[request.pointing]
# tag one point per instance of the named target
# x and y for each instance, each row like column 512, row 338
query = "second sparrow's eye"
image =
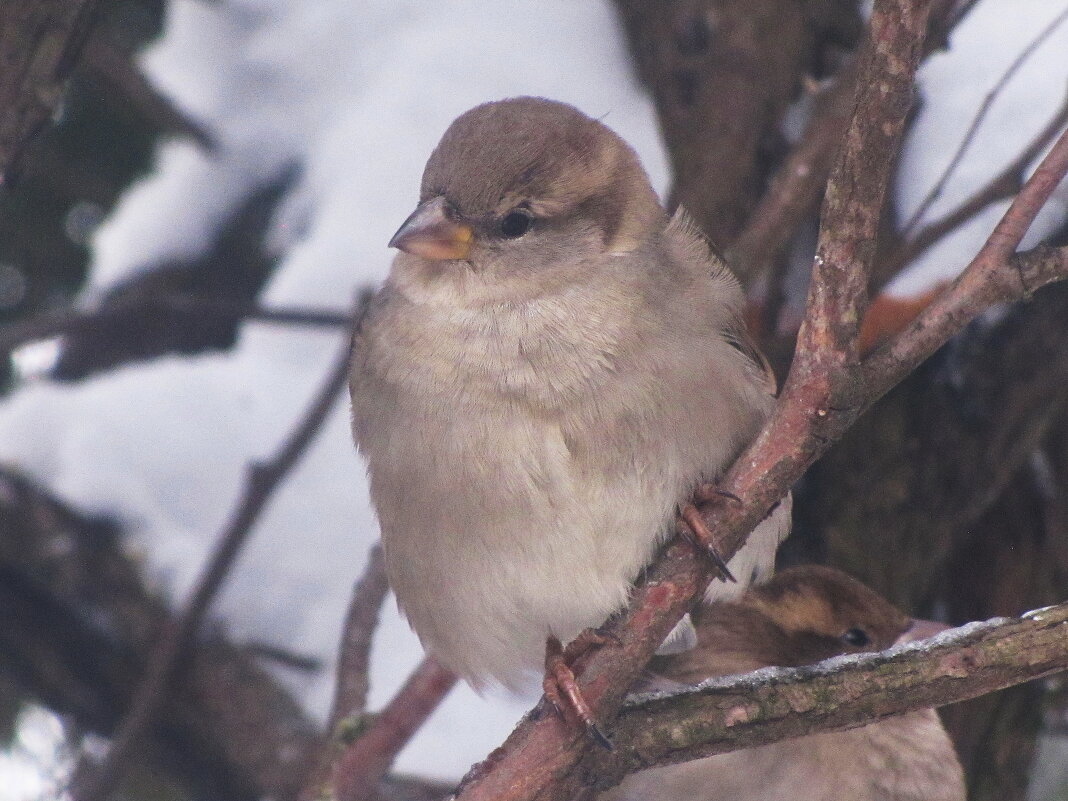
column 856, row 637
column 515, row 223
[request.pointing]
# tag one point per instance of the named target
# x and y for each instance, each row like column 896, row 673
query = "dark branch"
column 78, row 629
column 94, row 783
column 39, row 43
column 71, row 322
column 107, row 61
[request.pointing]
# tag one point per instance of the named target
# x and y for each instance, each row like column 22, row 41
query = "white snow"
column 356, row 95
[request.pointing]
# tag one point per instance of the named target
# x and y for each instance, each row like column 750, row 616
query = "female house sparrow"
column 550, row 369
column 801, row 616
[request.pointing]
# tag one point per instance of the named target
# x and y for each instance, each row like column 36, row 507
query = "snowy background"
column 357, row 94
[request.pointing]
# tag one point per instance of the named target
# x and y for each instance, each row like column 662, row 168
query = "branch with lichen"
column 774, row 704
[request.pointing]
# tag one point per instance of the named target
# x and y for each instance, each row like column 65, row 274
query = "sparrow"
column 551, row 368
column 801, row 616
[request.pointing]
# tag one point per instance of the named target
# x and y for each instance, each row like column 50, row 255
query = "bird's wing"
column 735, row 330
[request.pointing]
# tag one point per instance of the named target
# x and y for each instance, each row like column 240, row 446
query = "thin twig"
column 95, row 783
column 991, row 277
column 939, row 185
column 350, row 692
column 365, row 762
column 1003, row 185
column 69, row 322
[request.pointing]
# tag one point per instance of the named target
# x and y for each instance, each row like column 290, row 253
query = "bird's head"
column 524, row 187
column 803, row 615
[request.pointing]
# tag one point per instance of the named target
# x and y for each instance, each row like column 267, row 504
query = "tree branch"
column 350, row 695
column 363, row 763
column 969, row 136
column 39, row 43
column 71, row 322
column 845, row 692
column 824, row 394
column 94, row 783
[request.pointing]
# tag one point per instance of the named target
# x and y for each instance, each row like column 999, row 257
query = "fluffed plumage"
column 551, row 367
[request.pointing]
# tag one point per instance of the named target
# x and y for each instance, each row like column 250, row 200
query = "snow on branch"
column 774, row 704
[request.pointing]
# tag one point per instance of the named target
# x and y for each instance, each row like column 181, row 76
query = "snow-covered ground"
column 357, row 94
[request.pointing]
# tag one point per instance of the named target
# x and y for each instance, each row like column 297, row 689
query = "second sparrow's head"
column 801, row 616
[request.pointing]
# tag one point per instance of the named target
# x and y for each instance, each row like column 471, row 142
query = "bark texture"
column 723, row 72
column 39, row 44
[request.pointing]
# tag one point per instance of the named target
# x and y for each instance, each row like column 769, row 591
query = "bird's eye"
column 515, row 223
column 856, row 637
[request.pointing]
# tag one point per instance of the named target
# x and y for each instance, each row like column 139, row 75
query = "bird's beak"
column 921, row 630
column 433, row 233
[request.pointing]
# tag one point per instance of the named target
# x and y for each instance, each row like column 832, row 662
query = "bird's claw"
column 562, row 689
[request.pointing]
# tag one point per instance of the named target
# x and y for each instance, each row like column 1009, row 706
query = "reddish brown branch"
column 852, row 206
column 93, row 783
column 350, row 693
column 363, row 764
column 823, row 396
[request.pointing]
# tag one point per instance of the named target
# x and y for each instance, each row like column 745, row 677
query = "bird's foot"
column 692, row 526
column 710, row 492
column 562, row 689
